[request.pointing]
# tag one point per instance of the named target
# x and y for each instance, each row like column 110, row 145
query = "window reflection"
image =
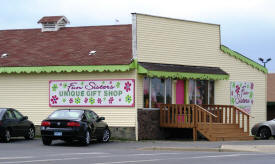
column 146, row 89
column 155, row 88
column 157, row 92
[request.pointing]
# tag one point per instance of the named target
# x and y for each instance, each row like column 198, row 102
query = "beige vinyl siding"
column 164, row 40
column 140, row 91
column 172, row 41
column 29, row 93
column 240, row 71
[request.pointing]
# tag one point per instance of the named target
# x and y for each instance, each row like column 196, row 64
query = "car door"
column 9, row 122
column 22, row 124
column 91, row 122
column 99, row 125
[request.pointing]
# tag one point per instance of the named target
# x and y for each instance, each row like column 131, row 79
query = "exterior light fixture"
column 5, row 55
column 93, row 52
column 263, row 61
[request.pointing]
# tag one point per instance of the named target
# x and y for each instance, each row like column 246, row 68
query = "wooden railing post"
column 160, row 114
column 230, row 115
column 247, row 122
column 242, row 120
column 234, row 116
column 225, row 115
column 239, row 118
column 168, row 115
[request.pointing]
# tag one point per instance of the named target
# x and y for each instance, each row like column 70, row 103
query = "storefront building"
column 127, row 72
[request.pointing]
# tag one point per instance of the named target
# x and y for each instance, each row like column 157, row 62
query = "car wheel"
column 86, row 138
column 46, row 141
column 30, row 134
column 264, row 133
column 7, row 136
column 106, row 136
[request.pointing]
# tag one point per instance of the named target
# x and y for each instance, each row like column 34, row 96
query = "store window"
column 201, row 92
column 156, row 92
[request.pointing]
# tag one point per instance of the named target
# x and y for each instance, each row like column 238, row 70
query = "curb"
column 181, row 149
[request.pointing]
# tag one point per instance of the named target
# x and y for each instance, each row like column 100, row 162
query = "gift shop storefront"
column 146, row 77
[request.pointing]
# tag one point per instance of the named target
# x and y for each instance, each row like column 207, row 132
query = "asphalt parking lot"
column 119, row 152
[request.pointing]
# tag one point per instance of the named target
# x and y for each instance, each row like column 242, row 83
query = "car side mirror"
column 84, row 119
column 24, row 118
column 100, row 119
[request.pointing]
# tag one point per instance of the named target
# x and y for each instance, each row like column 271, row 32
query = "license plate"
column 57, row 134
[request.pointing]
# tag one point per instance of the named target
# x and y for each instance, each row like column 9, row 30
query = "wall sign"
column 97, row 93
column 242, row 95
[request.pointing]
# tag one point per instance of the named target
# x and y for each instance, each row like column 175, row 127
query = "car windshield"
column 66, row 114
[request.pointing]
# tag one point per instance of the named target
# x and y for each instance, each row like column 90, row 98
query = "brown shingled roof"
column 50, row 19
column 68, row 46
column 271, row 87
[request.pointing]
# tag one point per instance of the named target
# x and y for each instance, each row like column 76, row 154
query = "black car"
column 14, row 124
column 74, row 124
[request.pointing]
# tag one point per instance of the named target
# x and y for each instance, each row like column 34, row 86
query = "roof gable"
column 243, row 59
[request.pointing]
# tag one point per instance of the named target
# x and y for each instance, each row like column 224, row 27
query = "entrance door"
column 180, row 92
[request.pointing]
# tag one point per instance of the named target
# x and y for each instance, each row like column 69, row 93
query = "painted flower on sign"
column 54, row 87
column 118, row 84
column 99, row 100
column 127, row 86
column 71, row 100
column 237, row 89
column 252, row 86
column 128, row 99
column 92, row 100
column 77, row 100
column 111, row 100
column 64, row 100
column 86, row 100
column 54, row 99
column 65, row 85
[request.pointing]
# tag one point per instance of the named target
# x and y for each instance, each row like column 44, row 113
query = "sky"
column 247, row 26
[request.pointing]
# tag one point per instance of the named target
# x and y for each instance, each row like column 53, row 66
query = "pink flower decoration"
column 119, row 99
column 127, row 86
column 237, row 89
column 60, row 84
column 99, row 100
column 111, row 82
column 71, row 100
column 54, row 99
column 111, row 100
column 86, row 100
column 252, row 85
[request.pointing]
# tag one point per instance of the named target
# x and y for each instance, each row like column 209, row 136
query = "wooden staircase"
column 215, row 122
column 225, row 132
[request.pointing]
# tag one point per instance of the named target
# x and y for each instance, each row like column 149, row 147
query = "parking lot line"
column 2, row 158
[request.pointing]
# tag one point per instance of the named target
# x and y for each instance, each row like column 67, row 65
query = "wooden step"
column 229, row 135
column 241, row 138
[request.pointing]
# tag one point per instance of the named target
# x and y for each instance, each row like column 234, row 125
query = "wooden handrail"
column 201, row 108
column 242, row 111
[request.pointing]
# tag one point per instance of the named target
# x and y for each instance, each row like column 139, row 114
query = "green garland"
column 49, row 69
column 243, row 58
column 181, row 75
